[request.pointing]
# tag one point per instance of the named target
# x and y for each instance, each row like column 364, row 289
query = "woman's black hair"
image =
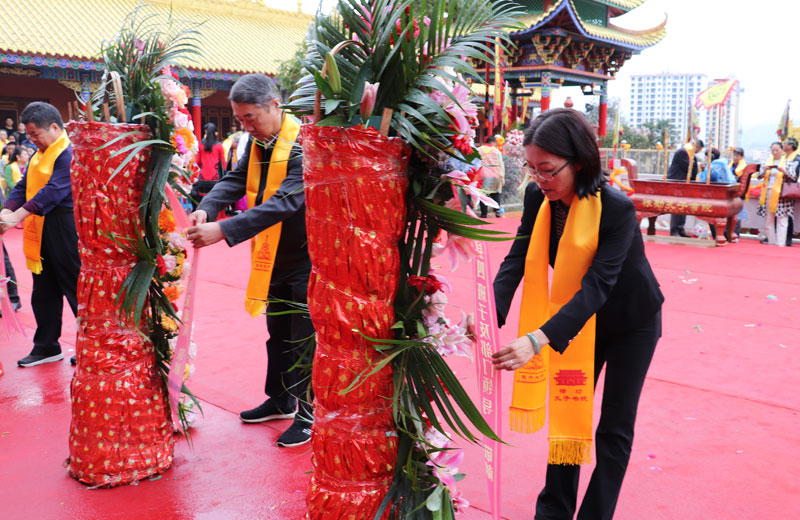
column 566, row 133
column 15, row 154
column 210, row 138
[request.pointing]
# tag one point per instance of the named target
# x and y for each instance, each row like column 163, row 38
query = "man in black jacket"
column 255, row 102
column 678, row 171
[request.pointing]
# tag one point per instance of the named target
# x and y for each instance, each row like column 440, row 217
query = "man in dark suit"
column 678, row 170
column 255, row 103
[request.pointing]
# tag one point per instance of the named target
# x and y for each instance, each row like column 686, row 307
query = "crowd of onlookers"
column 17, row 149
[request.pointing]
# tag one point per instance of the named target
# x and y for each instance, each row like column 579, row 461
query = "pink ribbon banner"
column 177, row 368
column 487, row 341
column 12, row 323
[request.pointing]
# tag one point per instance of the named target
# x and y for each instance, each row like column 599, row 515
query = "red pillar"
column 603, row 115
column 196, row 120
column 545, row 104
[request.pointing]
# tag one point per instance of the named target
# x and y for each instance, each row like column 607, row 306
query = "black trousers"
column 13, row 291
column 627, row 357
column 58, row 280
column 485, row 209
column 288, row 344
column 676, row 223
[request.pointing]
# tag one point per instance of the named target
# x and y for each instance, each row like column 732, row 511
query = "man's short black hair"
column 739, row 150
column 714, row 153
column 566, row 133
column 491, row 140
column 700, row 143
column 791, row 141
column 42, row 115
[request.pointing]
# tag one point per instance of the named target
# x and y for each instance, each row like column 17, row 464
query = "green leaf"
column 336, row 120
column 322, row 85
column 331, row 105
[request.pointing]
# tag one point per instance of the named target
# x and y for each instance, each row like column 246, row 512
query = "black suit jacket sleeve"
column 285, row 203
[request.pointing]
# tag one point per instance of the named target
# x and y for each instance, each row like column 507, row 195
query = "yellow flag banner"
column 715, row 94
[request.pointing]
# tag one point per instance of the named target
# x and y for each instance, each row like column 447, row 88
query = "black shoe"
column 763, row 240
column 678, row 234
column 31, row 360
column 14, row 305
column 298, row 433
column 266, row 411
column 73, row 361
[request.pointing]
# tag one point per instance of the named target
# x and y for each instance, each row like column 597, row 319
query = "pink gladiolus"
column 426, row 21
column 181, row 144
column 368, row 99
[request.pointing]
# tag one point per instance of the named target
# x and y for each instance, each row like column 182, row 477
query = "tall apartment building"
column 655, row 97
column 730, row 120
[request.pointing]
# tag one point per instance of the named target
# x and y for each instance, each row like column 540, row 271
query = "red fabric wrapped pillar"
column 355, row 182
column 121, row 430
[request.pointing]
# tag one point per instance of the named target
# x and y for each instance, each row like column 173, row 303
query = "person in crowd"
column 792, row 175
column 3, row 138
column 779, row 168
column 8, row 126
column 211, row 160
column 43, row 200
column 603, row 308
column 270, row 173
column 720, row 172
column 17, row 164
column 738, row 164
column 8, row 149
column 493, row 174
column 683, row 162
column 21, row 134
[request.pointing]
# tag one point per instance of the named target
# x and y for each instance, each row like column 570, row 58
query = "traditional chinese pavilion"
column 573, row 43
column 48, row 49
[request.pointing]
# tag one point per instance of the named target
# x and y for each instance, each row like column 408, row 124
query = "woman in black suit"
column 619, row 288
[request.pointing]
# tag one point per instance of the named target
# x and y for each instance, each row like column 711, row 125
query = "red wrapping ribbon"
column 177, row 368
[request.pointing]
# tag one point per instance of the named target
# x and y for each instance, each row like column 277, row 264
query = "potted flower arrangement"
column 390, row 142
column 132, row 256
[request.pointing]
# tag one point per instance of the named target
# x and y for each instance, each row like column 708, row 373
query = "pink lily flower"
column 460, row 504
column 368, row 99
column 458, row 175
column 457, row 247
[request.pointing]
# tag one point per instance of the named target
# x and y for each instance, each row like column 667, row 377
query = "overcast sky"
column 757, row 42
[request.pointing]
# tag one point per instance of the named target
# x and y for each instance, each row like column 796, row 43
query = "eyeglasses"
column 545, row 176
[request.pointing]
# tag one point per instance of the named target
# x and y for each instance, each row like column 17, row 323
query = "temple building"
column 49, row 49
column 573, row 43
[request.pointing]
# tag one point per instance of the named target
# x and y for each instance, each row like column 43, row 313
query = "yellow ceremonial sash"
column 16, row 173
column 777, row 186
column 264, row 246
column 740, row 166
column 570, row 375
column 40, row 169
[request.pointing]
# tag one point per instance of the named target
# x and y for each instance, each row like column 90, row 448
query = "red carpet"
column 717, row 435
